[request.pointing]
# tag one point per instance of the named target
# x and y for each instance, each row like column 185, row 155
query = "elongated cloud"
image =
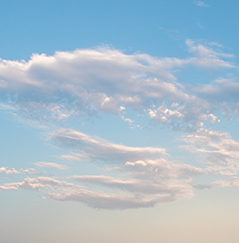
column 36, row 184
column 7, row 171
column 51, row 165
column 65, row 191
column 201, row 4
column 218, row 149
column 144, row 173
column 83, row 82
column 102, row 201
column 97, row 148
column 145, row 177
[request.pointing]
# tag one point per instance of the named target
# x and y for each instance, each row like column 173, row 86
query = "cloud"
column 221, row 90
column 30, row 171
column 103, row 201
column 96, row 148
column 87, row 81
column 140, row 176
column 202, row 187
column 36, row 184
column 201, row 4
column 51, row 165
column 145, row 184
column 143, row 173
column 222, row 94
column 28, row 183
column 217, row 149
column 143, row 188
column 65, row 191
column 206, row 57
column 6, row 171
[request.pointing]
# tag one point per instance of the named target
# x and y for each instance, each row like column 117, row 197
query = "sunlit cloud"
column 51, row 165
column 201, row 4
column 85, row 82
column 50, row 90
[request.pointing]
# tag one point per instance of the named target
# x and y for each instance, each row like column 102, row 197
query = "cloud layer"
column 83, row 83
column 143, row 177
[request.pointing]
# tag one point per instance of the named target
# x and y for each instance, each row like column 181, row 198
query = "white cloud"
column 7, row 171
column 84, row 82
column 144, row 173
column 217, row 149
column 201, row 4
column 28, row 183
column 220, row 90
column 144, row 178
column 225, row 183
column 128, row 120
column 97, row 148
column 51, row 165
column 221, row 94
column 206, row 57
column 193, row 114
column 30, row 171
column 145, row 184
column 37, row 184
column 134, row 198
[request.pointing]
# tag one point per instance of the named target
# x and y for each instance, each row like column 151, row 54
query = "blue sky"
column 119, row 121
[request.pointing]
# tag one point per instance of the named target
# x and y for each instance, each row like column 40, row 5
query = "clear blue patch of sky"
column 158, row 28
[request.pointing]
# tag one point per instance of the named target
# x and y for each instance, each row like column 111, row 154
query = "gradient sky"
column 119, row 121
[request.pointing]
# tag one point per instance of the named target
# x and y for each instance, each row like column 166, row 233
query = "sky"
column 119, row 121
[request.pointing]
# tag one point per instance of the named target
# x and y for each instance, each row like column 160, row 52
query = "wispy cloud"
column 201, row 4
column 85, row 82
column 51, row 165
column 37, row 184
column 217, row 149
column 145, row 176
column 7, row 171
column 97, row 148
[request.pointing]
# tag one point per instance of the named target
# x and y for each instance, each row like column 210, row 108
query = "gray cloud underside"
column 65, row 191
column 201, row 4
column 7, row 171
column 37, row 184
